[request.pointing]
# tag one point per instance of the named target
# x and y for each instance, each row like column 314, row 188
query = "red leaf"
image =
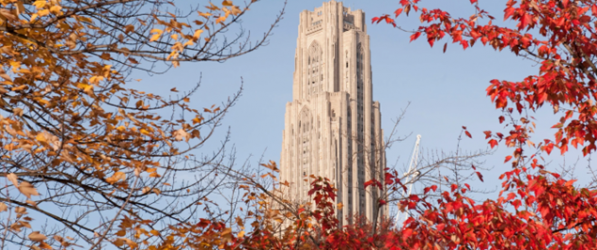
column 398, row 12
column 375, row 19
column 508, row 12
column 508, row 158
column 493, row 143
column 434, row 187
column 388, row 179
column 464, row 44
column 548, row 148
column 415, row 36
column 468, row 134
column 487, row 134
column 445, row 47
column 480, row 176
column 526, row 20
column 502, row 119
column 407, row 233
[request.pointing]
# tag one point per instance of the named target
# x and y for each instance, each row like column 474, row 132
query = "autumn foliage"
column 91, row 162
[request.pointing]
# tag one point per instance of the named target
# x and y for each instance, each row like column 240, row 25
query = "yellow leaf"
column 84, row 86
column 197, row 33
column 39, row 4
column 241, row 234
column 157, row 33
column 116, row 177
column 155, row 232
column 221, row 19
column 55, row 9
column 33, row 17
column 154, row 37
column 43, row 12
column 145, row 132
column 204, row 14
column 19, row 88
column 41, row 137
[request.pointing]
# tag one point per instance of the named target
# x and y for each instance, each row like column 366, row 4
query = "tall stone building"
column 332, row 126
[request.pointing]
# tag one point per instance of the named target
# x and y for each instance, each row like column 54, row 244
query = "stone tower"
column 332, row 126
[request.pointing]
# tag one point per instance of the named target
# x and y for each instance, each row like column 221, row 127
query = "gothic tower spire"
column 332, row 126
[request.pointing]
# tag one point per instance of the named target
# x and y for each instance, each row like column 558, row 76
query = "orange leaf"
column 508, row 158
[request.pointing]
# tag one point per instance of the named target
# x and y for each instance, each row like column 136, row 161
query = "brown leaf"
column 7, row 14
column 32, row 203
column 20, row 210
column 13, row 178
column 27, row 189
column 180, row 134
column 18, row 111
column 3, row 207
column 36, row 236
column 59, row 238
column 44, row 245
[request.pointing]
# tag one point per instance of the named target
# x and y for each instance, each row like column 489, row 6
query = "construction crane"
column 410, row 175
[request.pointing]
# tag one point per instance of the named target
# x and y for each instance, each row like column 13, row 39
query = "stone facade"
column 332, row 126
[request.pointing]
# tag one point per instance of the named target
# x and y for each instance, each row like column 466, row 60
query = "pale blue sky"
column 446, row 91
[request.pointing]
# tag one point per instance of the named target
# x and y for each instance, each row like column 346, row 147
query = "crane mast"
column 410, row 175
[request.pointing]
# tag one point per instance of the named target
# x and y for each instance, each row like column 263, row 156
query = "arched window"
column 360, row 55
column 314, row 68
column 306, row 121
